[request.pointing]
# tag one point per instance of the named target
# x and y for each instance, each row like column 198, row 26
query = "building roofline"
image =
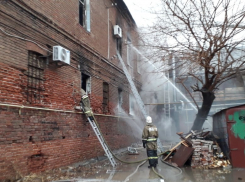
column 122, row 5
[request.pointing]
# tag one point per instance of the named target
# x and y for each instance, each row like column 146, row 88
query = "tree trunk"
column 208, row 98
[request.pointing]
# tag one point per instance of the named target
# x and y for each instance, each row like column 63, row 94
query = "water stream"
column 136, row 95
column 162, row 75
column 133, row 88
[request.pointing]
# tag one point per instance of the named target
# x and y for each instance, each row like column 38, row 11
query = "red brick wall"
column 37, row 140
column 65, row 14
column 15, row 52
column 34, row 140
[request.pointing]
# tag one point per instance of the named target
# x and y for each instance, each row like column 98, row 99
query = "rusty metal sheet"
column 235, row 118
column 182, row 155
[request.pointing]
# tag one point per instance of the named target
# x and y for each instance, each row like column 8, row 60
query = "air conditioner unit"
column 117, row 31
column 61, row 54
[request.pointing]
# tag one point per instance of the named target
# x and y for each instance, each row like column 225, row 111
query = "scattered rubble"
column 203, row 153
column 200, row 149
column 82, row 170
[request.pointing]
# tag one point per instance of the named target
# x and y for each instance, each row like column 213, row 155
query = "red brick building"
column 40, row 128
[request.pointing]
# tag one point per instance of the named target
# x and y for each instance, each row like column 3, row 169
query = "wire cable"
column 143, row 160
column 25, row 40
column 15, row 36
column 127, row 162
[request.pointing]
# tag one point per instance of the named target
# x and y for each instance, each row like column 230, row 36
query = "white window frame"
column 86, row 19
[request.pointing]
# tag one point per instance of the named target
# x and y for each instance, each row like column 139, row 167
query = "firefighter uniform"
column 149, row 139
column 85, row 103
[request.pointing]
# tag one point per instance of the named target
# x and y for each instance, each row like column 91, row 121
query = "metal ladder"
column 102, row 142
column 166, row 98
column 133, row 87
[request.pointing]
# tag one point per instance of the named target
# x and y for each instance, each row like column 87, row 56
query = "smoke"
column 163, row 101
column 158, row 93
column 133, row 122
column 155, row 94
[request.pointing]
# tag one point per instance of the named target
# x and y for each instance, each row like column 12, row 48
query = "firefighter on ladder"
column 85, row 103
column 149, row 139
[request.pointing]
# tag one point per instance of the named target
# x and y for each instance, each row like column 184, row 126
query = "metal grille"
column 55, row 55
column 35, row 78
column 105, row 96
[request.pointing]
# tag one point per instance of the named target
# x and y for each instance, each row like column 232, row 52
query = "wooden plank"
column 176, row 146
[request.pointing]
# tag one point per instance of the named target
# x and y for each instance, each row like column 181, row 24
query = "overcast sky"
column 140, row 10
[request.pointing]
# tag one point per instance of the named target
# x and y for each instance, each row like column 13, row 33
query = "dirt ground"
column 101, row 170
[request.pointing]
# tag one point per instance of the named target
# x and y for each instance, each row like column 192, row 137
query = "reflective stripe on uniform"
column 152, row 129
column 151, row 140
column 85, row 96
column 88, row 112
column 152, row 157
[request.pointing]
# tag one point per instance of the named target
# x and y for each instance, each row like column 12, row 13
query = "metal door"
column 236, row 131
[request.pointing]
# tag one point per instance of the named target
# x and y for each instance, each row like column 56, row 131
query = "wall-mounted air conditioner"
column 117, row 31
column 61, row 54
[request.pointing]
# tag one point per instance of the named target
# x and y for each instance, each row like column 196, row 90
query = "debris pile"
column 203, row 153
column 201, row 149
column 219, row 160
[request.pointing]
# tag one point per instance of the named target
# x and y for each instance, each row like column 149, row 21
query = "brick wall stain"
column 36, row 140
column 39, row 140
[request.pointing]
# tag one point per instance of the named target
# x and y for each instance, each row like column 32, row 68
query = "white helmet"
column 148, row 120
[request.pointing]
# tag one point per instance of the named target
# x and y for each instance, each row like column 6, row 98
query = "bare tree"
column 208, row 38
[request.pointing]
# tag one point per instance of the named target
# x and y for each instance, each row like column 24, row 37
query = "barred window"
column 105, row 96
column 35, row 78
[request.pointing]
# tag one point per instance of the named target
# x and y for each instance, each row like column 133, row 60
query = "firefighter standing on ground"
column 149, row 139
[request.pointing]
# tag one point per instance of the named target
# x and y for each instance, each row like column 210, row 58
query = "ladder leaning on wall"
column 85, row 105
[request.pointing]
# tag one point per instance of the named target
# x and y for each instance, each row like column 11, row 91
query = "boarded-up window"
column 35, row 78
column 105, row 96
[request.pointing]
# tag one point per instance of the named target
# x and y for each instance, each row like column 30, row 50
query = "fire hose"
column 143, row 160
column 85, row 103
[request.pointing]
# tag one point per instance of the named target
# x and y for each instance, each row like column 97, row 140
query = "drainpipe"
column 108, row 20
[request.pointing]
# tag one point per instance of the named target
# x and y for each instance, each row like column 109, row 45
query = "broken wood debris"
column 202, row 152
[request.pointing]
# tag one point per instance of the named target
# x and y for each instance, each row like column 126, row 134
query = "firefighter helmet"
column 148, row 119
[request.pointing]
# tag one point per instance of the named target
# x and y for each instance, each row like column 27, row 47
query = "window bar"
column 28, row 79
column 32, row 83
column 31, row 73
